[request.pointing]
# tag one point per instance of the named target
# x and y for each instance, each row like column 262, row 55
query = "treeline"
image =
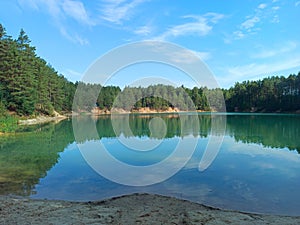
column 28, row 85
column 270, row 94
column 157, row 97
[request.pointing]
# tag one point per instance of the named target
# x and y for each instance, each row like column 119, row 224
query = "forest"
column 30, row 86
column 272, row 94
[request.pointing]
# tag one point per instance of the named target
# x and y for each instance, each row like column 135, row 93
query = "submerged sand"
column 130, row 209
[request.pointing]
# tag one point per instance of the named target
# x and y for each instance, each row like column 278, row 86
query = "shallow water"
column 256, row 169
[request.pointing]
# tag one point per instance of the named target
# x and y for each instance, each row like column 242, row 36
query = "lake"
column 256, row 167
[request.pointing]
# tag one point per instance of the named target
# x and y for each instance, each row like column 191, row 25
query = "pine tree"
column 22, row 85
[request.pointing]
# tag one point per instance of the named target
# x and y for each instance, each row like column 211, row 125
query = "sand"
column 130, row 209
column 41, row 120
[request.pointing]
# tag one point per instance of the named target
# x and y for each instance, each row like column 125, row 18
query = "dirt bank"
column 130, row 209
column 97, row 111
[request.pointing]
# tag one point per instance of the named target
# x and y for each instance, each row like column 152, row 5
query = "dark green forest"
column 30, row 86
column 157, row 97
column 272, row 94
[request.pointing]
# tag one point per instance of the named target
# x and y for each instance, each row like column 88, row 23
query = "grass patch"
column 8, row 124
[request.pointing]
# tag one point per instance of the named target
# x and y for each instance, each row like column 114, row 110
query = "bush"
column 2, row 109
column 8, row 124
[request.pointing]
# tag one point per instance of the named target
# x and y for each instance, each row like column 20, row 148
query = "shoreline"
column 57, row 118
column 147, row 110
column 128, row 209
column 41, row 120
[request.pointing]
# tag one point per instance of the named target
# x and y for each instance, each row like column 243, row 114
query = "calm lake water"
column 257, row 168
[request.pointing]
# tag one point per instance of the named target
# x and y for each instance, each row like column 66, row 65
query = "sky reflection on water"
column 257, row 168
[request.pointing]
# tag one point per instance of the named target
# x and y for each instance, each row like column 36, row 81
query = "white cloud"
column 262, row 14
column 76, row 10
column 118, row 10
column 256, row 70
column 143, row 30
column 60, row 12
column 214, row 17
column 262, row 6
column 75, row 38
column 238, row 34
column 80, row 40
column 187, row 56
column 248, row 26
column 200, row 26
column 250, row 23
column 275, row 19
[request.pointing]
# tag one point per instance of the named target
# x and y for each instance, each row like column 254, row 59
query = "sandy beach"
column 130, row 209
column 41, row 120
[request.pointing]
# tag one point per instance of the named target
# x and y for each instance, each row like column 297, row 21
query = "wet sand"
column 129, row 209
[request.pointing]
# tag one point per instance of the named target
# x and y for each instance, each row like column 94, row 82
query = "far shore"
column 144, row 110
column 173, row 112
column 129, row 209
column 96, row 111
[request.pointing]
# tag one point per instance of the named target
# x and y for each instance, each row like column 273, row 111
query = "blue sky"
column 237, row 39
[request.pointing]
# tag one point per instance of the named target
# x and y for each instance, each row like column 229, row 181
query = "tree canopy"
column 270, row 95
column 28, row 84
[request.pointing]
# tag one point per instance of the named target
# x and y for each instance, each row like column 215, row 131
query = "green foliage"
column 107, row 97
column 158, row 97
column 2, row 109
column 273, row 94
column 86, row 96
column 26, row 157
column 28, row 85
column 8, row 124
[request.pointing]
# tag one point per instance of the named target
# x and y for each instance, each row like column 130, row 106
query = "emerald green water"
column 257, row 168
